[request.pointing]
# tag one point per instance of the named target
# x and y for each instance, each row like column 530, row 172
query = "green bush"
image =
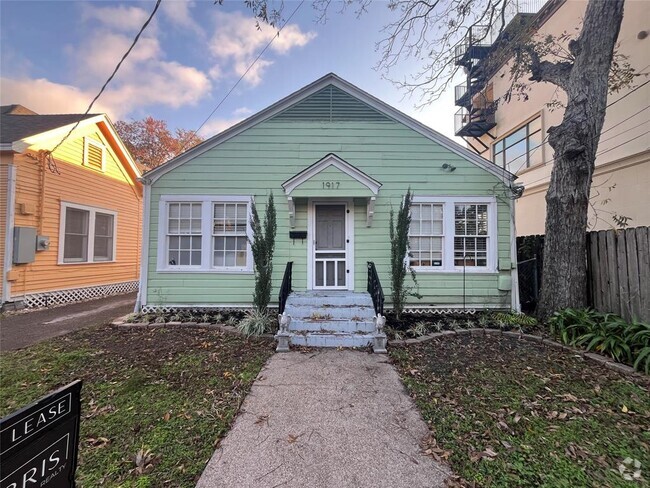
column 262, row 247
column 399, row 244
column 255, row 323
column 605, row 333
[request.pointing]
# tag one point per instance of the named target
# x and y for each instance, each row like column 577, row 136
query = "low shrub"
column 255, row 323
column 605, row 333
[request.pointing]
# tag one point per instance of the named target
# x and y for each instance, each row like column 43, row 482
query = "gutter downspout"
column 144, row 251
column 9, row 234
column 514, row 272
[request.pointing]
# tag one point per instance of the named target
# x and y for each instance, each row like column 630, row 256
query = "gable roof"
column 18, row 122
column 331, row 160
column 309, row 90
column 21, row 128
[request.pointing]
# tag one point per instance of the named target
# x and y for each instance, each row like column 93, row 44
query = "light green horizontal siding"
column 263, row 157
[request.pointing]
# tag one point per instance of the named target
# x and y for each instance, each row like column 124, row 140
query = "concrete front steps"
column 330, row 319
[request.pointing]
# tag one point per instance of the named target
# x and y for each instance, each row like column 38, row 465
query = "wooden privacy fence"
column 618, row 271
column 618, row 266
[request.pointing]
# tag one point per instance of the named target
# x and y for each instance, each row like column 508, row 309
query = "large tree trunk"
column 575, row 142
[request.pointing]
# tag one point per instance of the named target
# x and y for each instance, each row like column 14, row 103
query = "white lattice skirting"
column 59, row 297
column 198, row 309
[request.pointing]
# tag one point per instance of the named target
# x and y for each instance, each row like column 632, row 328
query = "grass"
column 171, row 392
column 507, row 413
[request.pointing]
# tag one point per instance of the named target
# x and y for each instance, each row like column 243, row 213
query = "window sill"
column 531, row 168
column 468, row 270
column 201, row 270
column 85, row 262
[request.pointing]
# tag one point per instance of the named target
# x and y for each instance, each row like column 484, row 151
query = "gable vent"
column 94, row 154
column 330, row 105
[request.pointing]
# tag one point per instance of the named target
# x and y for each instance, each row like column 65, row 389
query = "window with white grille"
column 452, row 234
column 184, row 234
column 230, row 241
column 204, row 234
column 426, row 235
column 471, row 235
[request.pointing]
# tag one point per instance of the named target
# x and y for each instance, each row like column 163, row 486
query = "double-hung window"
column 426, row 235
column 450, row 234
column 205, row 233
column 87, row 234
column 230, row 237
column 184, row 234
column 471, row 235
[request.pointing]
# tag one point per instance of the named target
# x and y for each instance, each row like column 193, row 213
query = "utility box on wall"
column 24, row 245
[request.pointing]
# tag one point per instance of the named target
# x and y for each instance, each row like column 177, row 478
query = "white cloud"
column 121, row 17
column 214, row 127
column 178, row 13
column 237, row 42
column 242, row 111
column 44, row 97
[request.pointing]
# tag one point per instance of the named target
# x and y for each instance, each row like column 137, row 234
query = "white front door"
column 330, row 247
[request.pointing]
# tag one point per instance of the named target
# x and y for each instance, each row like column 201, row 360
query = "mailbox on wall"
column 24, row 245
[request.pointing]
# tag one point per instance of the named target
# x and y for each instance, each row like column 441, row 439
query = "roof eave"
column 331, row 78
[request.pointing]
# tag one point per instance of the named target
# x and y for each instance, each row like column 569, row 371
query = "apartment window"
column 88, row 234
column 205, row 234
column 521, row 149
column 452, row 234
column 426, row 235
column 230, row 241
column 184, row 234
column 93, row 154
column 471, row 235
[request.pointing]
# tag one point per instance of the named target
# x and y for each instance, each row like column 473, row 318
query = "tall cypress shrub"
column 262, row 246
column 399, row 241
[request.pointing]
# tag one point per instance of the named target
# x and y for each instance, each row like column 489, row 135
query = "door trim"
column 349, row 233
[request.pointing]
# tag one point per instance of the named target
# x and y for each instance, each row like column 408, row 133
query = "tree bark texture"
column 575, row 142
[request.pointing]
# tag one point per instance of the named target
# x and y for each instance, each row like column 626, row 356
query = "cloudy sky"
column 55, row 55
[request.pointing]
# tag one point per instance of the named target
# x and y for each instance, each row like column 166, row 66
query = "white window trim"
column 91, row 233
column 90, row 141
column 448, row 227
column 207, row 254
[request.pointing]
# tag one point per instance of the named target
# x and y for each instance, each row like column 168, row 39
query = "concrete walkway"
column 325, row 419
column 25, row 328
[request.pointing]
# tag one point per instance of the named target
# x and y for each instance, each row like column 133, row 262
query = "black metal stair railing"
column 285, row 288
column 374, row 288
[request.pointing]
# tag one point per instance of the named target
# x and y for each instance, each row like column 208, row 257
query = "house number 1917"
column 331, row 185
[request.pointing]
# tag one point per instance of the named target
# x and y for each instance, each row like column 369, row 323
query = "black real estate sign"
column 38, row 443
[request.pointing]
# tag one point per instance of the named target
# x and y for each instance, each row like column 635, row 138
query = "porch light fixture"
column 448, row 167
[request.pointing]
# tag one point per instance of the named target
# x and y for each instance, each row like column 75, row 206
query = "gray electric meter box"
column 24, row 245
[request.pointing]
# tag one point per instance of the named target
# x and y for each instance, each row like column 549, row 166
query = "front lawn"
column 506, row 412
column 167, row 394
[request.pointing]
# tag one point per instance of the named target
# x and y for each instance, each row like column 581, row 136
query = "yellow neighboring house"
column 70, row 222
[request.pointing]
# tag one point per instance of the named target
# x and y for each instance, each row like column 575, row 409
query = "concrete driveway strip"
column 27, row 328
column 325, row 419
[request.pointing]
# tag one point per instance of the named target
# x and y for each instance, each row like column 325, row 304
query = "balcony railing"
column 474, row 123
column 480, row 38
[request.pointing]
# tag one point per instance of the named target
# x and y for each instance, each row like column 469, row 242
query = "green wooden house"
column 337, row 161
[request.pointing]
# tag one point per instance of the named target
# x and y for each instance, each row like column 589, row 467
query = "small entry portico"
column 330, row 188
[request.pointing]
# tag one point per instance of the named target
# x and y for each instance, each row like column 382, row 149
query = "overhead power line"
column 110, row 78
column 545, row 141
column 242, row 76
